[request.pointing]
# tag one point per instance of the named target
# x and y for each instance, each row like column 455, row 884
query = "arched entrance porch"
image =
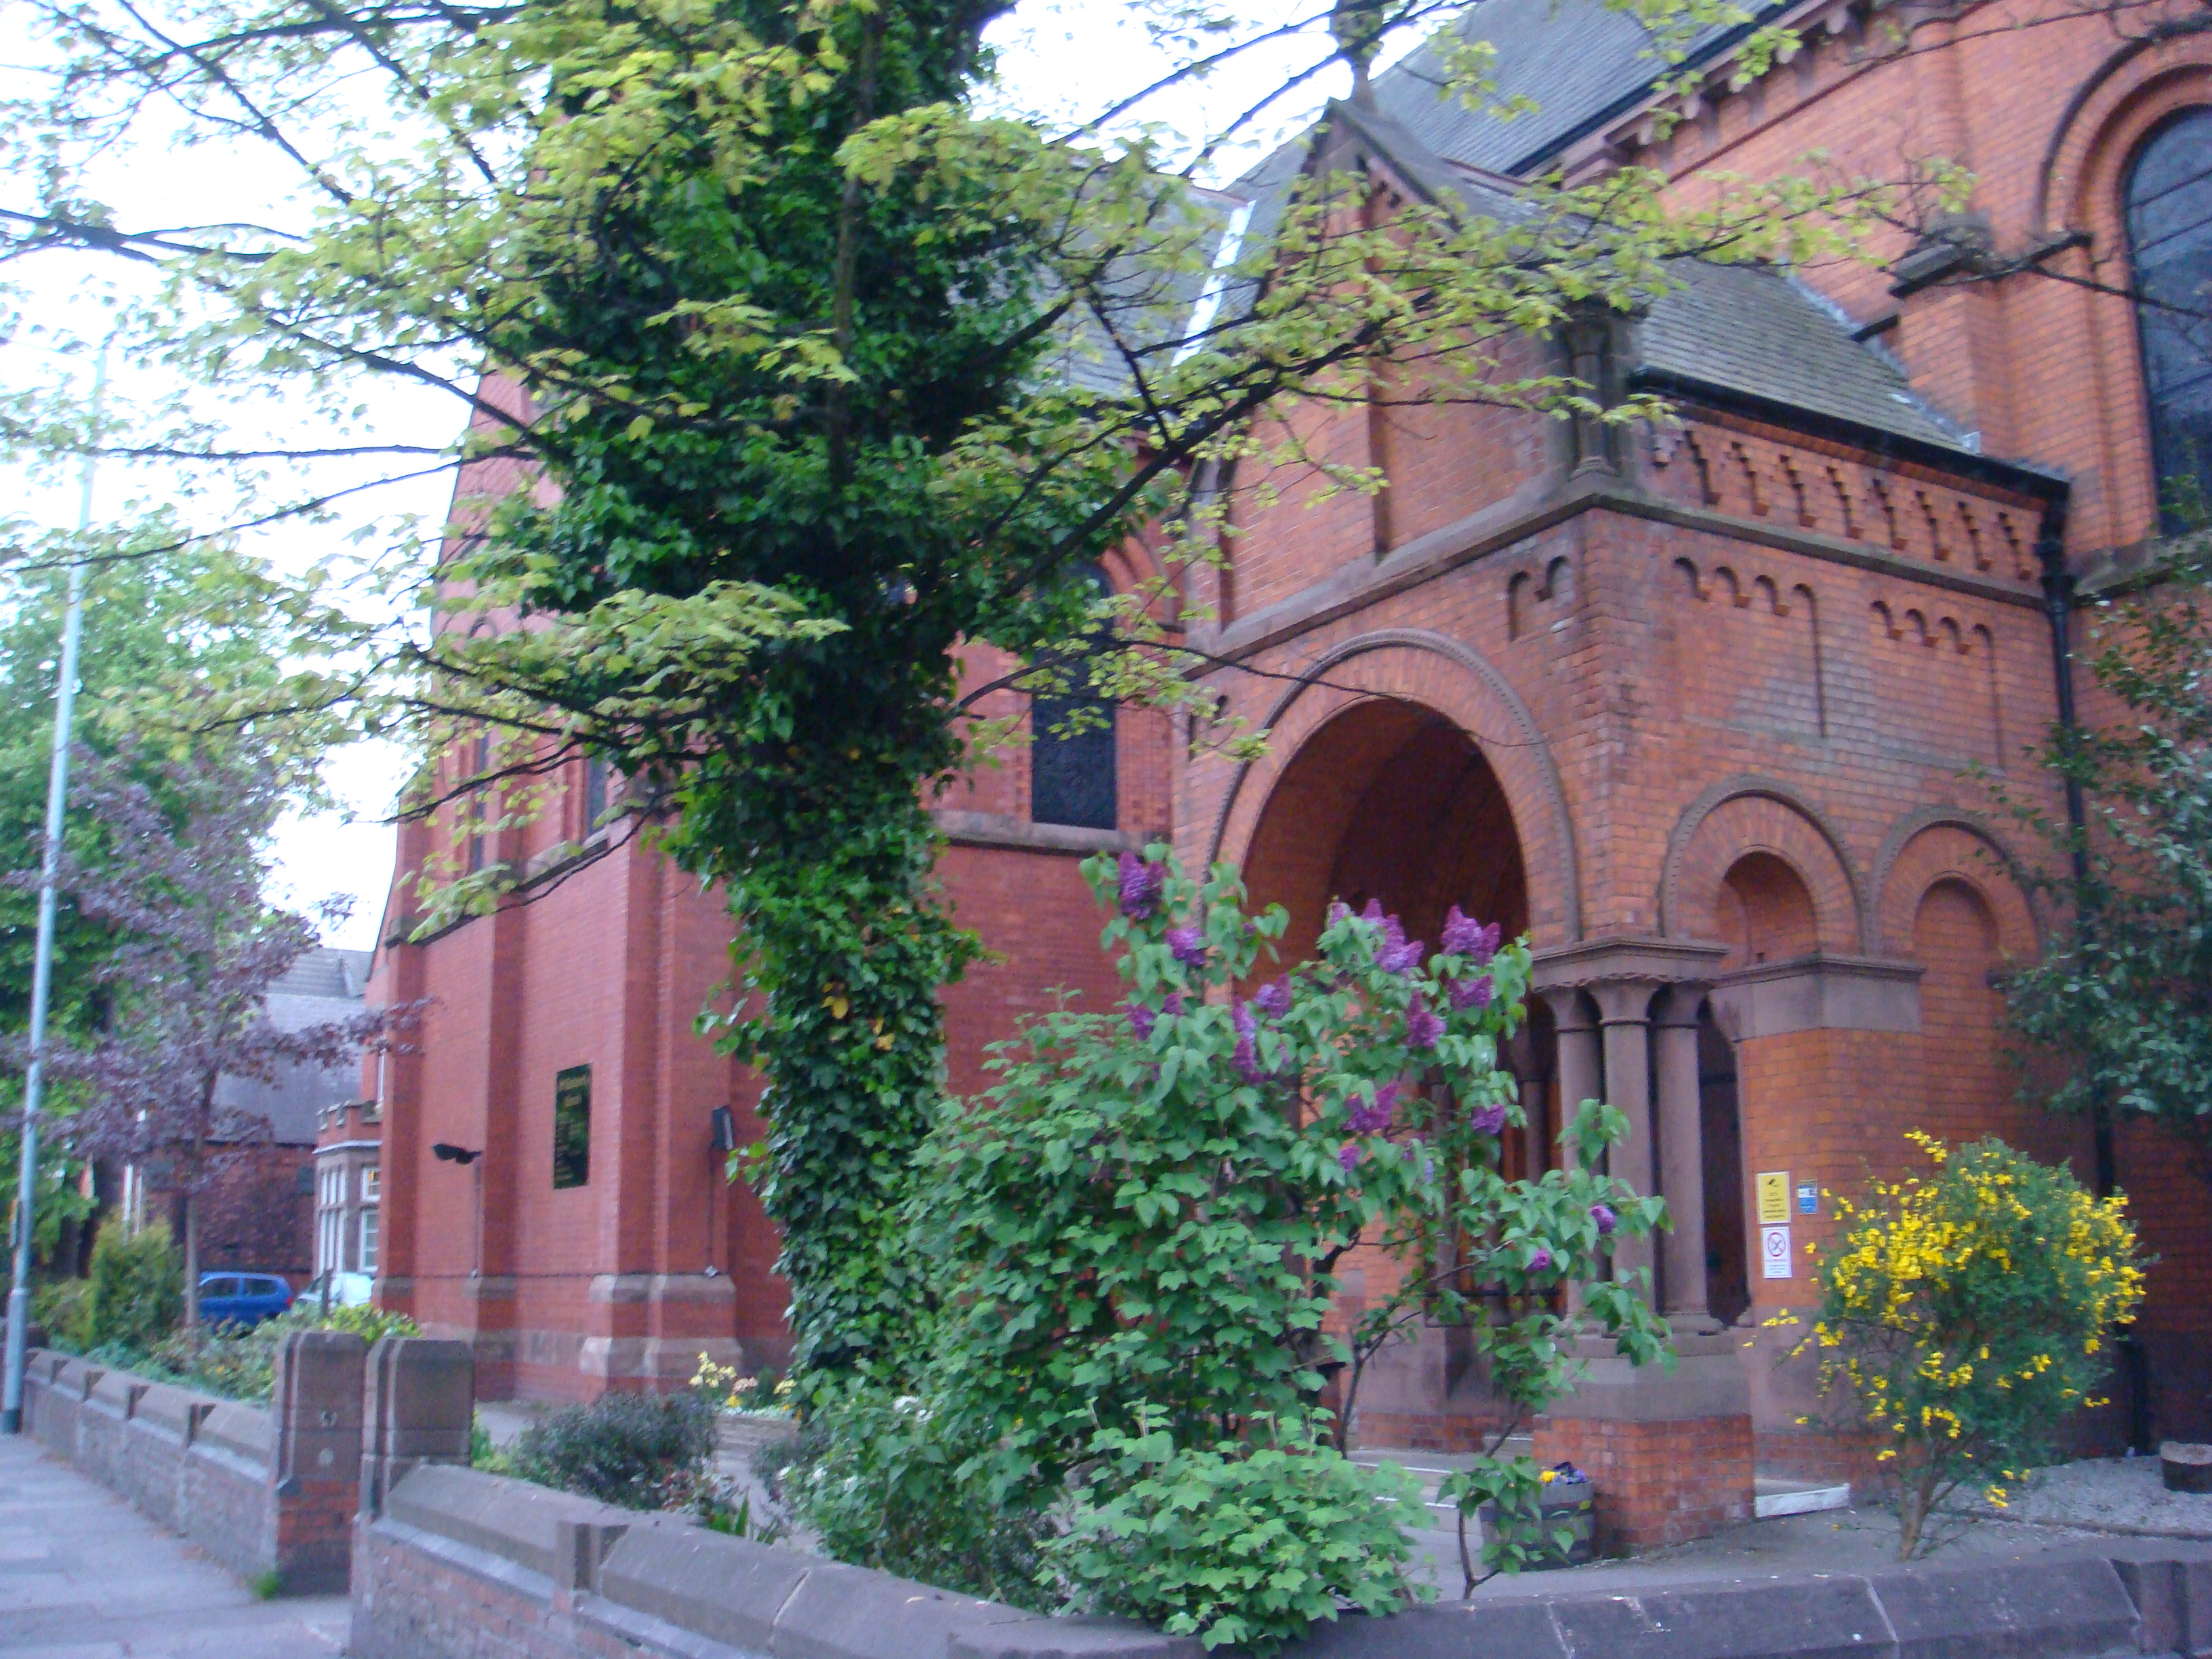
column 1389, row 800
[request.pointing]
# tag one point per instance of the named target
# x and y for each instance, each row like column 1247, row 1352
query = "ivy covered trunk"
column 846, row 947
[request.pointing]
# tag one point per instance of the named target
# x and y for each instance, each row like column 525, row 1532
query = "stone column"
column 1579, row 1067
column 1579, row 1071
column 1681, row 1156
column 1624, row 1009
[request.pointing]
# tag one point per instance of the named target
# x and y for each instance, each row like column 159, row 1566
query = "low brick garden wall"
column 465, row 1565
column 262, row 1490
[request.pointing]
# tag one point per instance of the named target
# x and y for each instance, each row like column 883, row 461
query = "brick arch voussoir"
column 2135, row 88
column 1938, row 843
column 1439, row 673
column 1750, row 814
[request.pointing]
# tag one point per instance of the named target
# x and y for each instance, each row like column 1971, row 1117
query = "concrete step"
column 1430, row 1468
column 1775, row 1494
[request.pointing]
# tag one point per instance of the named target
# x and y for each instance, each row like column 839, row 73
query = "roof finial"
column 1357, row 26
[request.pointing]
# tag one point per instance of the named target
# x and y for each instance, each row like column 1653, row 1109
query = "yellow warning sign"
column 1773, row 1197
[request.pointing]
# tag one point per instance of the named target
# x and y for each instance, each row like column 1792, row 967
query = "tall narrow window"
column 2170, row 236
column 595, row 793
column 1072, row 755
column 572, row 1127
column 480, row 763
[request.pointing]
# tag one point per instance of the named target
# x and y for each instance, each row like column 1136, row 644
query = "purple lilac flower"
column 1465, row 937
column 1141, row 885
column 1472, row 993
column 1338, row 910
column 1246, row 1060
column 1188, row 945
column 1606, row 1220
column 1541, row 1260
column 1140, row 1021
column 1347, row 1155
column 1172, row 1005
column 1490, row 1119
column 1424, row 1026
column 1274, row 999
column 1372, row 1116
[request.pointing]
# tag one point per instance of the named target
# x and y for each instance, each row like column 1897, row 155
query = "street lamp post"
column 42, row 968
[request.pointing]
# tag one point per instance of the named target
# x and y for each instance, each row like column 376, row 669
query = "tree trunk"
column 191, row 1260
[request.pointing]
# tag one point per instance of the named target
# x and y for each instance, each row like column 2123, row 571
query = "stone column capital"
column 1679, row 1003
column 1623, row 1001
column 1589, row 964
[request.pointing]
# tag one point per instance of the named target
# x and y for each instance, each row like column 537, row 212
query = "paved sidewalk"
column 84, row 1576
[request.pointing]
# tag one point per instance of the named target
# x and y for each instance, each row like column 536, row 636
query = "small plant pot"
column 2184, row 1466
column 1569, row 1504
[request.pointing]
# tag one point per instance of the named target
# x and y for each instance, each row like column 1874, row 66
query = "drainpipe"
column 2059, row 609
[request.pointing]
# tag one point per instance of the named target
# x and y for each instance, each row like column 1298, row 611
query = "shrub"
column 642, row 1451
column 885, row 1482
column 1966, row 1314
column 1245, row 1543
column 1133, row 1238
column 59, row 1306
column 135, row 1291
column 240, row 1364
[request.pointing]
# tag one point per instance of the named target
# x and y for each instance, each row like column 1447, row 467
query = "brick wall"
column 1656, row 1483
column 261, row 1491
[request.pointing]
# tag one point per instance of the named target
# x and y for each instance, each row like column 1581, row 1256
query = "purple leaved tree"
column 197, row 948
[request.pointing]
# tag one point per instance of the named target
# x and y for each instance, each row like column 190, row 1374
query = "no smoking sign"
column 1774, row 1253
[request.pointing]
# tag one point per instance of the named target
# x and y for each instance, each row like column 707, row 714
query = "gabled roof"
column 1745, row 331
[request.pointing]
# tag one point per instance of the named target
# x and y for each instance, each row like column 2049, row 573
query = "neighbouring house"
column 1698, row 706
column 348, row 1136
column 261, row 1213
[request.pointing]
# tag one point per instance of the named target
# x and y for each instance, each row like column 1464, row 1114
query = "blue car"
column 242, row 1299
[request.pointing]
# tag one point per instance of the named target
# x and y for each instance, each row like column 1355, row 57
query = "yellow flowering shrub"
column 1963, row 1313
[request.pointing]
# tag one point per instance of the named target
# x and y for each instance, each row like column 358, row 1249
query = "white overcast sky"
column 1064, row 60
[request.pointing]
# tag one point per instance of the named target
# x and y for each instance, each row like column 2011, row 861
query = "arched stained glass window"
column 2170, row 239
column 1072, row 755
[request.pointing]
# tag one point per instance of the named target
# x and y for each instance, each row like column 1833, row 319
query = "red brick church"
column 1695, row 706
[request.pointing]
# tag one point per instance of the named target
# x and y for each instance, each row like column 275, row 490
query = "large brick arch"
column 1436, row 672
column 1745, row 815
column 1938, row 843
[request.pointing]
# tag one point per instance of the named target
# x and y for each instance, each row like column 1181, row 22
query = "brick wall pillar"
column 419, row 1407
column 1670, row 1454
column 315, row 1401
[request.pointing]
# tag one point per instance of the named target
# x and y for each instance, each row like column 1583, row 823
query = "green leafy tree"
column 2123, row 996
column 173, row 623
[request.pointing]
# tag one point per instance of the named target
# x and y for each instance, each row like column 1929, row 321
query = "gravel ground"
column 2107, row 1494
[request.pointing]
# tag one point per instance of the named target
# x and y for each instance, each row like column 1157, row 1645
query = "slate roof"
column 1574, row 59
column 1756, row 332
column 324, row 986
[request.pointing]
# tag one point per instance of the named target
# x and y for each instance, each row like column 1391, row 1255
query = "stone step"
column 1775, row 1494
